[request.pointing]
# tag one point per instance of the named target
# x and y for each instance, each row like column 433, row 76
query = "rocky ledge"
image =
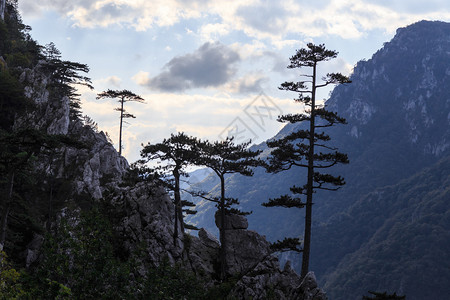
column 249, row 258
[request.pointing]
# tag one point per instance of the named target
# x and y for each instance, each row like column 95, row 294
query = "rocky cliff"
column 143, row 212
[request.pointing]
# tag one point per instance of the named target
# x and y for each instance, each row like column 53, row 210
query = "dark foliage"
column 65, row 75
column 383, row 296
column 173, row 155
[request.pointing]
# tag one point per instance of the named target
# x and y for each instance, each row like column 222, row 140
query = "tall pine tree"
column 175, row 153
column 123, row 96
column 226, row 157
column 64, row 75
column 306, row 147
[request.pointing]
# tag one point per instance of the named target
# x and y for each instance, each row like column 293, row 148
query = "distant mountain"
column 398, row 113
column 406, row 248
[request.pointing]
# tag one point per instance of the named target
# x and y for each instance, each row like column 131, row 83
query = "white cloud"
column 251, row 49
column 139, row 14
column 212, row 32
column 260, row 19
column 109, row 82
column 199, row 115
column 141, row 78
column 248, row 84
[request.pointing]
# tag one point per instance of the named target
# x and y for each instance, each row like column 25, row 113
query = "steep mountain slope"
column 398, row 113
column 408, row 245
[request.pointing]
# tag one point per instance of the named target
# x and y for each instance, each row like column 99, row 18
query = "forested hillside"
column 403, row 248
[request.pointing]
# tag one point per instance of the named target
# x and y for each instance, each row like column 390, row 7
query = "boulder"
column 208, row 239
column 266, row 281
column 32, row 252
column 308, row 289
column 147, row 218
column 203, row 254
column 244, row 250
column 232, row 221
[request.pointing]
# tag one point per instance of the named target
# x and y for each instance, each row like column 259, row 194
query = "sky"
column 210, row 68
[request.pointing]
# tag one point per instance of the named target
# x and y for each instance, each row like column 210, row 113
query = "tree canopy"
column 123, row 96
column 176, row 154
column 225, row 157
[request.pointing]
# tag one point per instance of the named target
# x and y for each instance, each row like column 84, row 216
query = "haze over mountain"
column 398, row 113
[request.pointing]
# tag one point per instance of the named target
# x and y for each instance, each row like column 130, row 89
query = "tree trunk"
column 50, row 198
column 310, row 182
column 178, row 209
column 6, row 209
column 120, row 130
column 223, row 258
column 50, row 206
column 2, row 9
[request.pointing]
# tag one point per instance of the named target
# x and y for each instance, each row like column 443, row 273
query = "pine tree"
column 226, row 157
column 63, row 76
column 12, row 100
column 176, row 153
column 307, row 147
column 383, row 296
column 123, row 96
column 17, row 152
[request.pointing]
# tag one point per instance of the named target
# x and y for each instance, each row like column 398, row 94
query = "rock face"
column 31, row 254
column 2, row 9
column 266, row 280
column 87, row 166
column 147, row 219
column 52, row 115
column 308, row 289
column 248, row 256
column 244, row 250
column 99, row 162
column 203, row 254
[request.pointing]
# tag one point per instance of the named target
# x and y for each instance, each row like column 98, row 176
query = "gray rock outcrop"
column 146, row 220
column 51, row 115
column 308, row 289
column 89, row 165
column 244, row 250
column 96, row 165
column 203, row 254
column 249, row 257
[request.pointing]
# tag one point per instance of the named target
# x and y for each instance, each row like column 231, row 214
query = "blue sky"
column 209, row 68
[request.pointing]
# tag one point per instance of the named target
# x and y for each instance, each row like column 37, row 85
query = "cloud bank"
column 256, row 18
column 211, row 65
